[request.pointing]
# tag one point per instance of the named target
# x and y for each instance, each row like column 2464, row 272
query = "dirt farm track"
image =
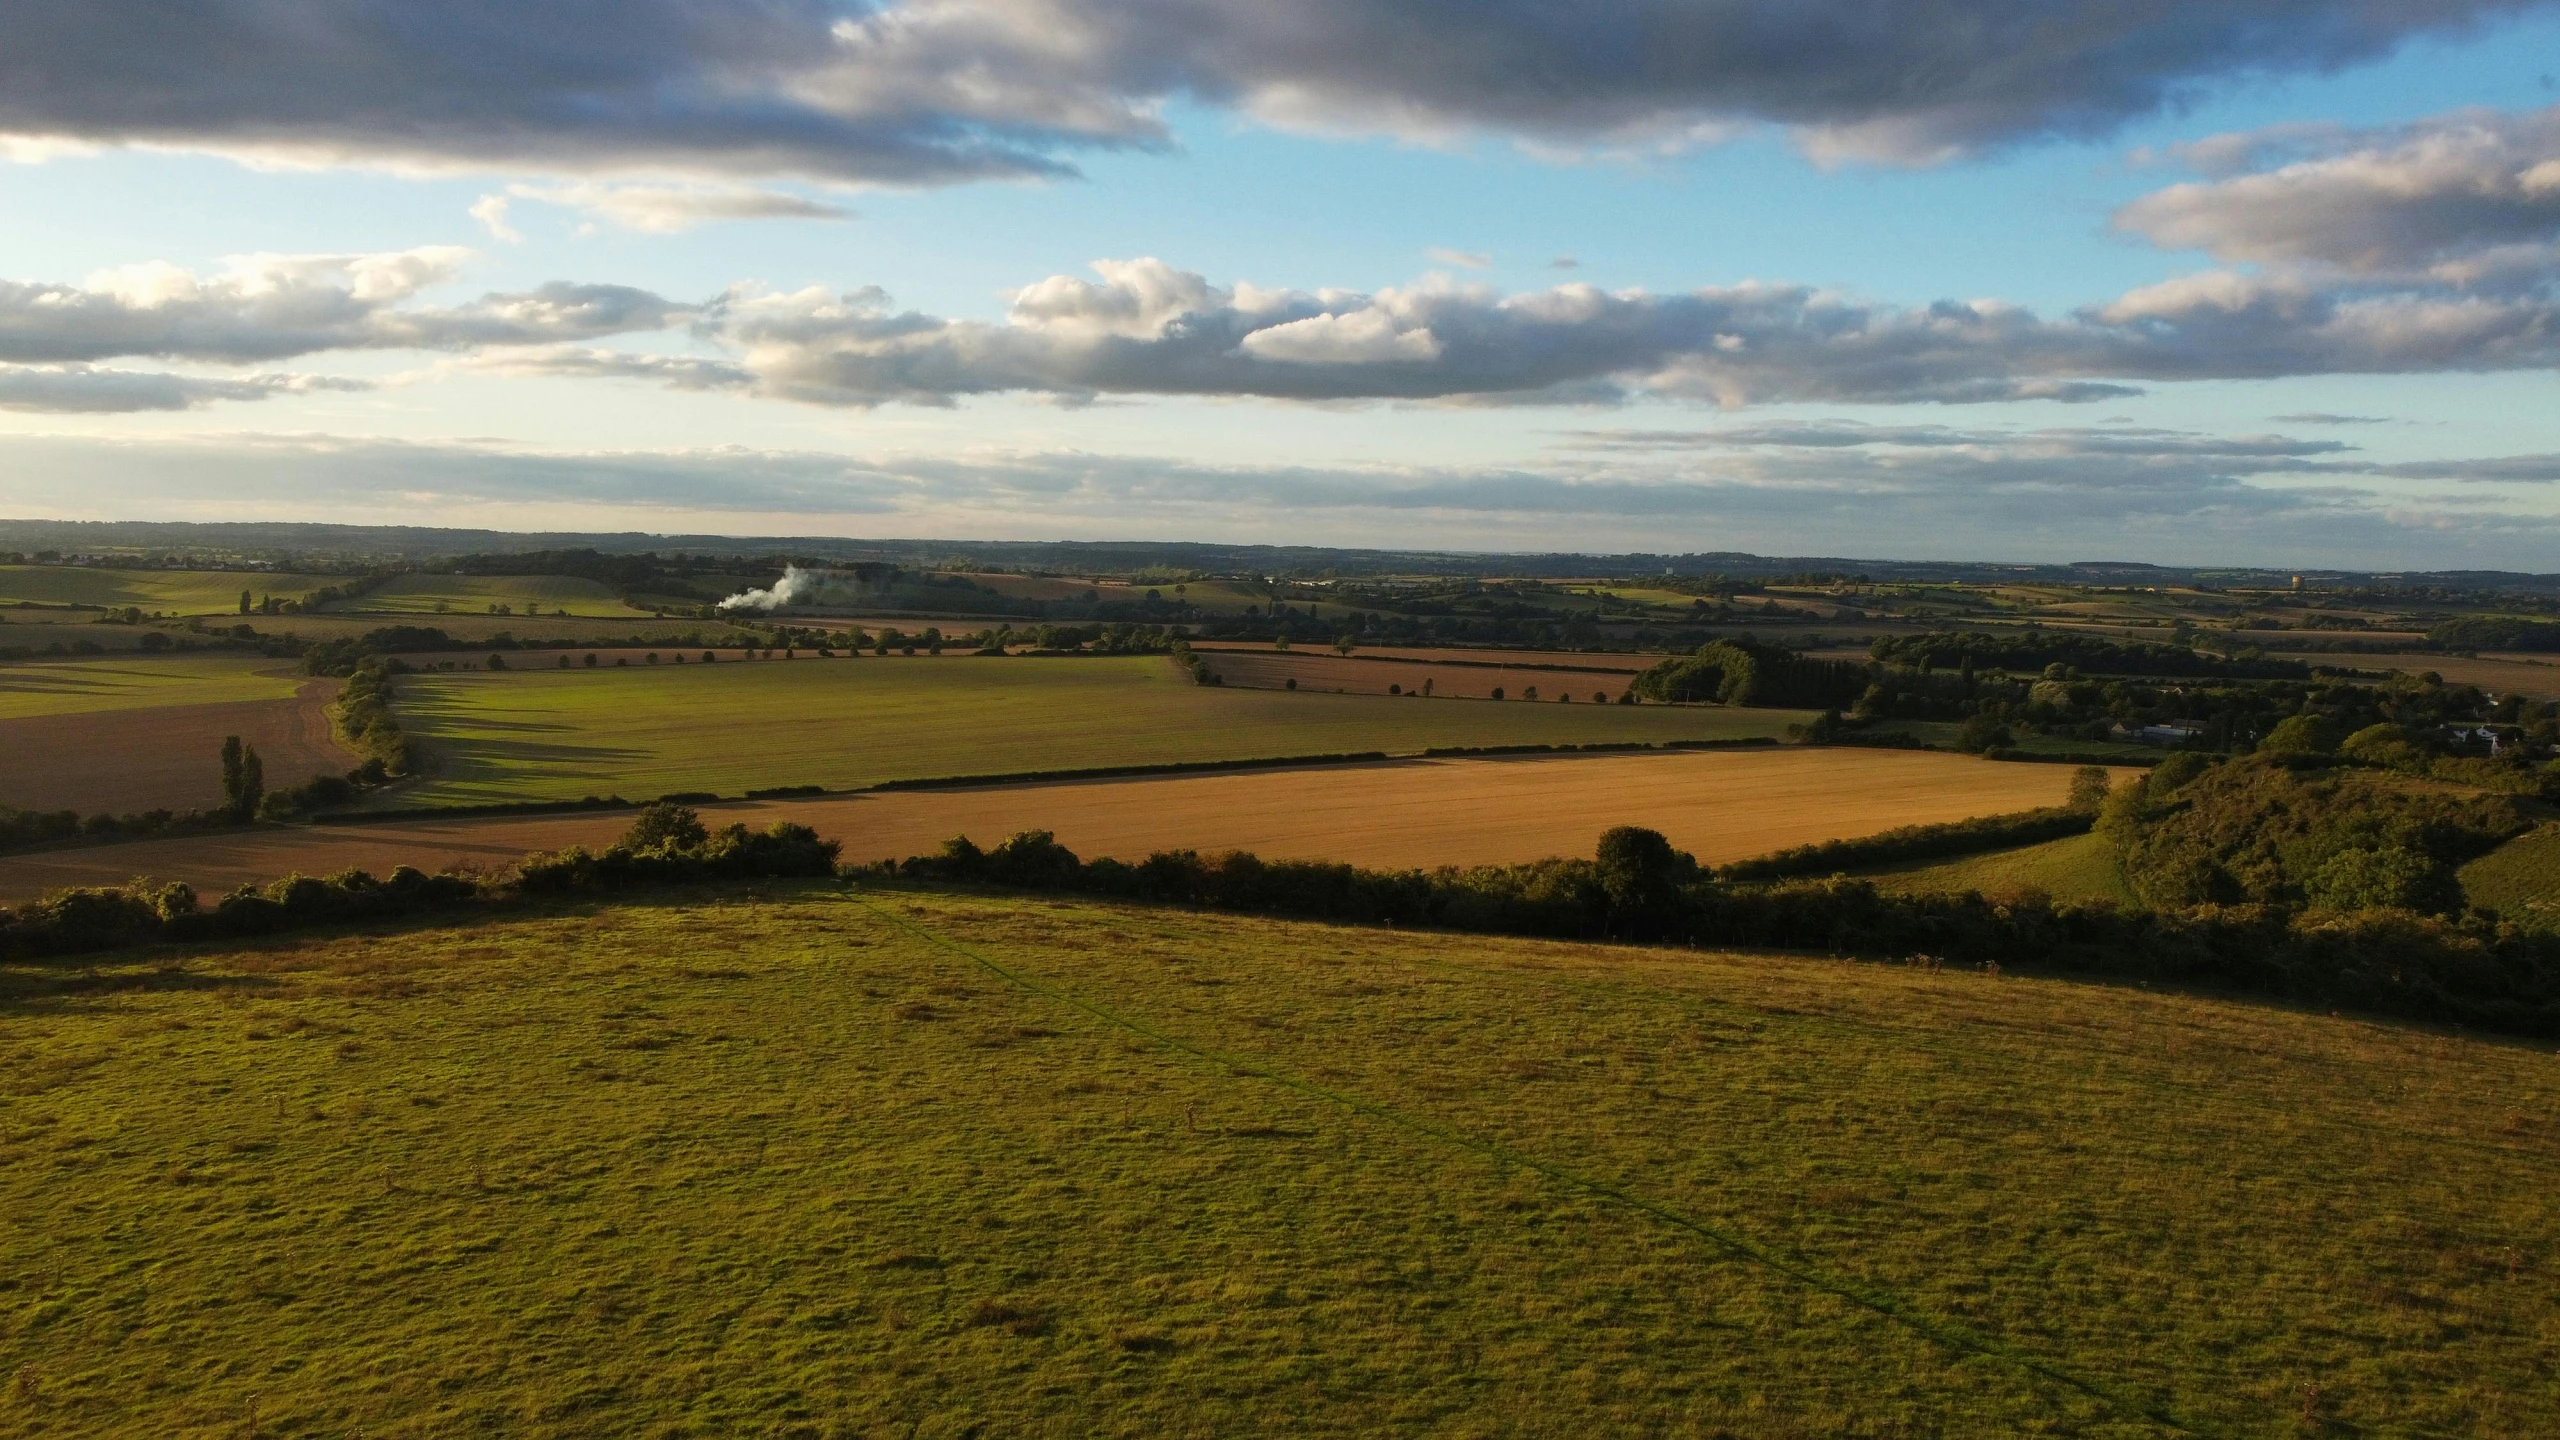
column 1722, row 806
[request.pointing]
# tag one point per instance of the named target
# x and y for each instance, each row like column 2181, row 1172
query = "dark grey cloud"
column 2495, row 470
column 2471, row 198
column 270, row 307
column 561, row 86
column 912, row 91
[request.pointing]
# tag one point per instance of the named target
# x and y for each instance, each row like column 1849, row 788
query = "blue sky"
column 1450, row 417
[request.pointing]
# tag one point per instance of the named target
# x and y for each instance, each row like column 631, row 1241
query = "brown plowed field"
column 1721, row 806
column 1272, row 670
column 162, row 756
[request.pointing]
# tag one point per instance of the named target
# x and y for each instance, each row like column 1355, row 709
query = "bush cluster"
column 1742, row 672
column 72, row 922
column 2030, row 651
column 362, row 714
column 1639, row 888
column 668, row 844
column 2282, row 828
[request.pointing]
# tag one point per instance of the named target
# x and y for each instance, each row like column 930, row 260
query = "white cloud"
column 1362, row 337
column 2471, row 198
column 1461, row 259
column 87, row 390
column 268, row 307
column 491, row 212
column 667, row 209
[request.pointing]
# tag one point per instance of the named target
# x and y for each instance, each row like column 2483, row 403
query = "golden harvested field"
column 1328, row 673
column 1620, row 661
column 1720, row 805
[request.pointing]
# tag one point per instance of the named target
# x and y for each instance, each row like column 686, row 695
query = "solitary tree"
column 244, row 779
column 665, row 826
column 244, row 602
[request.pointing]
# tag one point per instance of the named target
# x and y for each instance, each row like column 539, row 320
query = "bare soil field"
column 2535, row 677
column 162, row 757
column 1325, row 673
column 1721, row 806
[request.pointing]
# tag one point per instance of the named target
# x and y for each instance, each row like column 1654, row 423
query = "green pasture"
column 68, row 687
column 739, row 725
column 2078, row 868
column 176, row 592
column 2520, row 879
column 473, row 595
column 36, row 630
column 802, row 1164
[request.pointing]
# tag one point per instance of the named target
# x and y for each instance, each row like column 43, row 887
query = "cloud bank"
column 935, row 91
column 2470, row 199
column 1782, row 488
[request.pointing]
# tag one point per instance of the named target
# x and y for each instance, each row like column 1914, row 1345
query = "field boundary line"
column 1944, row 1332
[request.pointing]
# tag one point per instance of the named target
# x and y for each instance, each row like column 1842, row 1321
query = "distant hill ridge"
column 270, row 541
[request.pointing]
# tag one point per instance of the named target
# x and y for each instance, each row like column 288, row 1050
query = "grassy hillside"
column 72, row 687
column 2080, row 868
column 474, row 594
column 913, row 1164
column 177, row 592
column 729, row 727
column 2520, row 879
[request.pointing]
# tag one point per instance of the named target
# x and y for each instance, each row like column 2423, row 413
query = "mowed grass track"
column 2080, row 868
column 178, row 592
column 797, row 1165
column 737, row 725
column 2520, row 879
column 1719, row 805
column 555, row 594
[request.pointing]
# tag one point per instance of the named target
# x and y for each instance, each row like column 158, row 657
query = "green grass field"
column 177, row 592
column 2520, row 879
column 814, row 1166
column 2080, row 868
column 734, row 726
column 69, row 687
column 474, row 594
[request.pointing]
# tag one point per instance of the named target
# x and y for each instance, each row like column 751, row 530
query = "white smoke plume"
column 798, row 587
